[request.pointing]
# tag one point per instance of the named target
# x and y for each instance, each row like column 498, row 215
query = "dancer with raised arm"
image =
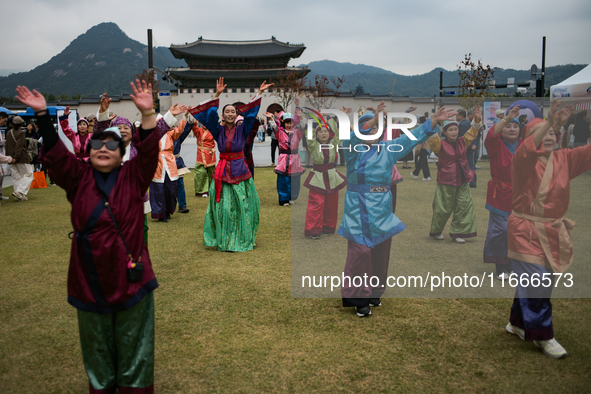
column 538, row 233
column 501, row 143
column 110, row 279
column 368, row 222
column 453, row 178
column 232, row 217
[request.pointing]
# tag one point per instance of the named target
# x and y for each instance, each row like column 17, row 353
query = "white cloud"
column 405, row 37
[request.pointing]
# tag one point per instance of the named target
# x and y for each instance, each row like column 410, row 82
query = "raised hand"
column 105, row 102
column 299, row 113
column 177, row 110
column 411, row 109
column 478, row 114
column 33, row 99
column 112, row 116
column 563, row 114
column 443, row 114
column 268, row 115
column 220, row 86
column 142, row 96
column 381, row 107
column 265, row 86
column 296, row 101
column 347, row 110
column 513, row 113
column 67, row 111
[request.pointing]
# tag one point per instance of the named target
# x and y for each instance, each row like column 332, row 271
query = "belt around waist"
column 288, row 152
column 323, row 167
column 368, row 188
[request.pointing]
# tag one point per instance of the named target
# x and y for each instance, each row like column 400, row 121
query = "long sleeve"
column 421, row 133
column 102, row 122
column 207, row 114
column 65, row 124
column 249, row 112
column 47, row 132
column 579, row 160
column 524, row 161
column 145, row 162
column 492, row 143
column 471, row 134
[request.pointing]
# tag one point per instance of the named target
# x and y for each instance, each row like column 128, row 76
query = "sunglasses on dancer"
column 98, row 144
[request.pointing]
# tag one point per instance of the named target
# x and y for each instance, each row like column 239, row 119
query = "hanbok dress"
column 232, row 218
column 452, row 195
column 115, row 315
column 368, row 222
column 539, row 239
column 205, row 162
column 324, row 182
column 289, row 165
column 498, row 199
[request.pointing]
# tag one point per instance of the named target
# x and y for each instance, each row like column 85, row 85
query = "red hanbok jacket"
column 452, row 167
column 500, row 188
column 97, row 276
column 538, row 232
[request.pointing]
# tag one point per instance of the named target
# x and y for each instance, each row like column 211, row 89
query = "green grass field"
column 227, row 322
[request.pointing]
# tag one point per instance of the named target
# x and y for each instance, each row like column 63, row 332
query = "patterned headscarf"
column 121, row 120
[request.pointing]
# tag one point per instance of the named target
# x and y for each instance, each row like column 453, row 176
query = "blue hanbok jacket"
column 368, row 219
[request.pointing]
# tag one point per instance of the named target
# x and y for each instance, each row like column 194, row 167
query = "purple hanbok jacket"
column 229, row 140
column 97, row 276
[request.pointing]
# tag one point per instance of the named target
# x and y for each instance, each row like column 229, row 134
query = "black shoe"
column 375, row 302
column 163, row 220
column 183, row 210
column 315, row 237
column 363, row 311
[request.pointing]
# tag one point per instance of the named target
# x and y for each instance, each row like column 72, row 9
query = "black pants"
column 421, row 163
column 274, row 146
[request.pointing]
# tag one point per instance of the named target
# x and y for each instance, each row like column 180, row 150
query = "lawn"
column 227, row 322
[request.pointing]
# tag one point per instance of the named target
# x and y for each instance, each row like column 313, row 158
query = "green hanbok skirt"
column 232, row 223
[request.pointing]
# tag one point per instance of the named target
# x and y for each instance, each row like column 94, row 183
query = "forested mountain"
column 105, row 59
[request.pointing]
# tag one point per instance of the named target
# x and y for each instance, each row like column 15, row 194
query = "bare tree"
column 475, row 81
column 324, row 91
column 150, row 77
column 288, row 87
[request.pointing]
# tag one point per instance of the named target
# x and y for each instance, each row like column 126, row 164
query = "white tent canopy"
column 575, row 89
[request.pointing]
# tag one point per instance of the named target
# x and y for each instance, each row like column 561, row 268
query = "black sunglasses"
column 98, row 144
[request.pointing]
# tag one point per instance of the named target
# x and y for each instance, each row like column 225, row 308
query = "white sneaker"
column 460, row 240
column 551, row 348
column 204, row 195
column 291, row 202
column 439, row 237
column 427, row 178
column 5, row 198
column 286, row 204
column 503, row 276
column 414, row 176
column 511, row 329
column 18, row 196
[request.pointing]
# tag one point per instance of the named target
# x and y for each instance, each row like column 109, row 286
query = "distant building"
column 244, row 65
